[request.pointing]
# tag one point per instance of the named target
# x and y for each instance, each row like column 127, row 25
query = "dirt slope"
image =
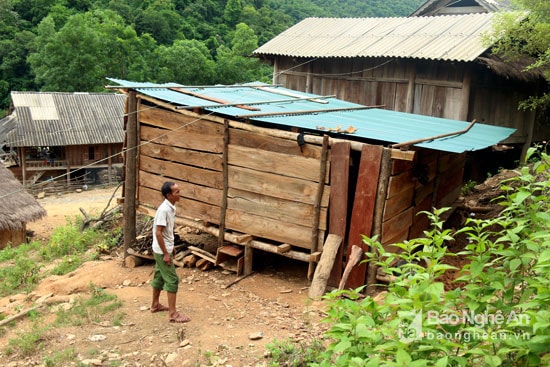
column 270, row 304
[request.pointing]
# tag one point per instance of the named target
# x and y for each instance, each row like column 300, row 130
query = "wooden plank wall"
column 398, row 209
column 434, row 179
column 437, row 89
column 272, row 184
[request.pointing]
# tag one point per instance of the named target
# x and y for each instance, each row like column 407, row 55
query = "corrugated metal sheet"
column 452, row 37
column 57, row 119
column 279, row 106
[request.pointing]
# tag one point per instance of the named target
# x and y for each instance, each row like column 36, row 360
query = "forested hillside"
column 72, row 45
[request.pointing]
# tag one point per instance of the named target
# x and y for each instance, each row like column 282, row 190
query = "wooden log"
column 324, row 268
column 190, row 260
column 204, row 264
column 202, row 254
column 18, row 315
column 131, row 168
column 132, row 261
column 354, row 259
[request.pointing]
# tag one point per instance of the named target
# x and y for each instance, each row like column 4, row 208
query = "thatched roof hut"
column 17, row 209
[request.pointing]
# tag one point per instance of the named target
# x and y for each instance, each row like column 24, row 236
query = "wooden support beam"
column 339, row 179
column 285, row 247
column 324, row 268
column 362, row 214
column 130, row 186
column 317, row 204
column 383, row 180
column 225, row 167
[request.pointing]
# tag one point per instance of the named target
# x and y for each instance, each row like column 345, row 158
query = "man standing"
column 165, row 277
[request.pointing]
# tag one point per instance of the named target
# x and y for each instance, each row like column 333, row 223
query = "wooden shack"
column 267, row 168
column 437, row 65
column 17, row 209
column 64, row 134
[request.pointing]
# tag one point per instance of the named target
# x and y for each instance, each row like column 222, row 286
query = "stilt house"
column 64, row 134
column 264, row 167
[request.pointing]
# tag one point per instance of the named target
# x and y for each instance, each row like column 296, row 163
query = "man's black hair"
column 166, row 188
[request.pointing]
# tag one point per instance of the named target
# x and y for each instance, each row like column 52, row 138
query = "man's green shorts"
column 165, row 277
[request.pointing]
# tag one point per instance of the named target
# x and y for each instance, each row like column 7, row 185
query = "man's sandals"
column 159, row 308
column 179, row 318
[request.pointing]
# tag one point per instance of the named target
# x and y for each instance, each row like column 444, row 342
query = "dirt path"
column 270, row 304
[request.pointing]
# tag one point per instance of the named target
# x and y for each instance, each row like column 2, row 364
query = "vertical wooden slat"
column 338, row 207
column 363, row 207
column 383, row 180
column 317, row 204
column 131, row 169
column 225, row 168
column 466, row 85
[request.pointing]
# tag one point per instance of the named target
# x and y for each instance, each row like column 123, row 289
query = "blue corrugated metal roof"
column 289, row 108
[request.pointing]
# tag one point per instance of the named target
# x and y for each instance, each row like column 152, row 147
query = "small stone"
column 256, row 336
column 127, row 282
column 171, row 358
column 97, row 337
column 92, row 362
column 185, row 343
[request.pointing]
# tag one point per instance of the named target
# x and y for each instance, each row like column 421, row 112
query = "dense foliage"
column 73, row 45
column 497, row 315
column 528, row 37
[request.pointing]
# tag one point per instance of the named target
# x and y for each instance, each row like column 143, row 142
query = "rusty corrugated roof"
column 285, row 108
column 56, row 119
column 450, row 37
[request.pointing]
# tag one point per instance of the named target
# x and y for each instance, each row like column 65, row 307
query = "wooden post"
column 363, row 207
column 383, row 180
column 225, row 167
column 465, row 95
column 109, row 163
column 317, row 205
column 131, row 173
column 23, row 165
column 248, row 257
column 324, row 268
column 338, row 209
column 410, row 88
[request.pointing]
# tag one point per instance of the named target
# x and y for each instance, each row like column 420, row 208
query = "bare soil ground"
column 229, row 326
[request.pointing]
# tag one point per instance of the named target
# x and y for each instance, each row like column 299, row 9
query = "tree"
column 235, row 65
column 88, row 48
column 185, row 62
column 527, row 37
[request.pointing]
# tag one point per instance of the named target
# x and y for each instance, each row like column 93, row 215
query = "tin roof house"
column 64, row 134
column 437, row 62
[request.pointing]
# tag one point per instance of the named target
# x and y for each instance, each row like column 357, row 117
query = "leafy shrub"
column 499, row 315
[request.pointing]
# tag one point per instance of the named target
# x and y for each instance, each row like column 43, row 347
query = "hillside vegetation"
column 73, row 45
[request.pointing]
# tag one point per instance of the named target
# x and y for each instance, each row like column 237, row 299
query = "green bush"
column 497, row 315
